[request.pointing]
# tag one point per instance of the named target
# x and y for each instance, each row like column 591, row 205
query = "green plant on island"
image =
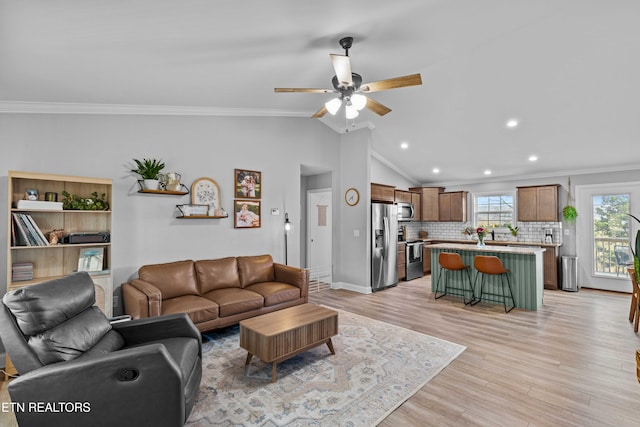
column 513, row 230
column 93, row 203
column 148, row 168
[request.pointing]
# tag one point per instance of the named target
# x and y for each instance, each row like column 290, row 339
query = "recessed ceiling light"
column 533, row 158
column 512, row 123
column 487, row 172
column 404, row 145
column 436, row 170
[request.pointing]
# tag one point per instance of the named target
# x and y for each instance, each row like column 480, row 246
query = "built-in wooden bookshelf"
column 59, row 260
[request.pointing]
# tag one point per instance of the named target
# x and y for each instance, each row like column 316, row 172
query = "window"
column 493, row 210
column 611, row 254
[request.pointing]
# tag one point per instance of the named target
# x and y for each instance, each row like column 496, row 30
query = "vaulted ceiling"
column 567, row 70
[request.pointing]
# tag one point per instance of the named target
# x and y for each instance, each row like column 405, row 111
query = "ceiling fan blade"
column 321, row 112
column 342, row 66
column 376, row 107
column 394, row 83
column 301, row 89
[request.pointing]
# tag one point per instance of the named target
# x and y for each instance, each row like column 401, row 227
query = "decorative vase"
column 481, row 242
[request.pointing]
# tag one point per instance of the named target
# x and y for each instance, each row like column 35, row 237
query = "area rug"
column 377, row 366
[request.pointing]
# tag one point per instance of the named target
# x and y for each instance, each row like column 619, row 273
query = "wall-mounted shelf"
column 191, row 211
column 165, row 192
column 182, row 192
column 202, row 217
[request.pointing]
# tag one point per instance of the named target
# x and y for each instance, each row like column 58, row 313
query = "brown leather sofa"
column 215, row 293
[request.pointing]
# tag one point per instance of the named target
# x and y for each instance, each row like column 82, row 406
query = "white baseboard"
column 351, row 287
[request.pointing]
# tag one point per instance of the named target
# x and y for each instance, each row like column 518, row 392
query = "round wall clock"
column 205, row 191
column 351, row 196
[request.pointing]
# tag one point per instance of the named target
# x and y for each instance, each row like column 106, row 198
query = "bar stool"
column 450, row 262
column 634, row 310
column 491, row 265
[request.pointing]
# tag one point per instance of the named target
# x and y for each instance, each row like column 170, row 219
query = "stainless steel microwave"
column 405, row 212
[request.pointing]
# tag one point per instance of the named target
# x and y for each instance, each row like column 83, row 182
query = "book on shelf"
column 38, row 205
column 25, row 231
column 21, row 271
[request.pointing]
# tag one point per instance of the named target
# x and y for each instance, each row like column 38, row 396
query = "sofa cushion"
column 217, row 274
column 174, row 279
column 255, row 269
column 275, row 292
column 235, row 300
column 199, row 309
column 41, row 307
column 71, row 338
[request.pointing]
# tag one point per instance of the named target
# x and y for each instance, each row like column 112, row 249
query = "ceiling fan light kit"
column 349, row 88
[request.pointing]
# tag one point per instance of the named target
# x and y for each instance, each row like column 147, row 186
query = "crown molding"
column 543, row 175
column 393, row 167
column 22, row 107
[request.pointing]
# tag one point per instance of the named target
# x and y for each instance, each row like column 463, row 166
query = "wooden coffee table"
column 277, row 336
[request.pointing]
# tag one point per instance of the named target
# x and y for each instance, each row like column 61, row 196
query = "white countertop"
column 523, row 250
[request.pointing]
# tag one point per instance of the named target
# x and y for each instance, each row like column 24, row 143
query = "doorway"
column 319, row 239
column 604, row 232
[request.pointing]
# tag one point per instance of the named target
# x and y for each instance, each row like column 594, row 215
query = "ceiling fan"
column 350, row 89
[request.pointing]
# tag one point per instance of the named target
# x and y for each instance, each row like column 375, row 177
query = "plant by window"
column 569, row 213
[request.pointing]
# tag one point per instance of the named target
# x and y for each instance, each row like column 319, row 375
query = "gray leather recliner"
column 76, row 368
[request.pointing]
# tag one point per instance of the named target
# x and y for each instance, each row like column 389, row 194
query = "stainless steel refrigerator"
column 384, row 250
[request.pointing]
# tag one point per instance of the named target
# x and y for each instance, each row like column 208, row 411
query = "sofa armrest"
column 101, row 391
column 153, row 295
column 293, row 276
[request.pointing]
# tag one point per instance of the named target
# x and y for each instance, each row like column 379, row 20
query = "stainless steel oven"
column 414, row 263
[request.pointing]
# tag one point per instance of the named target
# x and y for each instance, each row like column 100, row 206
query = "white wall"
column 145, row 229
column 354, row 270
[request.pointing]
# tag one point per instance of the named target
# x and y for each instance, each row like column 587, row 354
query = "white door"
column 319, row 238
column 604, row 232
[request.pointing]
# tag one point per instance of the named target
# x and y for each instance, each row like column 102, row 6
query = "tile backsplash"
column 528, row 232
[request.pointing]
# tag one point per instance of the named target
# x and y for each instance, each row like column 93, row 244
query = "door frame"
column 328, row 190
column 584, row 245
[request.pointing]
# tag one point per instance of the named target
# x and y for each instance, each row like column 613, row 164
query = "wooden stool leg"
column 634, row 306
column 635, row 325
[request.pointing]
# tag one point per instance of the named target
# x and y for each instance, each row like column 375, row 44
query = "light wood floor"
column 572, row 363
column 569, row 364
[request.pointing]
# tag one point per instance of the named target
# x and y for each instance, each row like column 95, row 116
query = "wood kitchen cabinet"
column 428, row 202
column 416, row 200
column 452, row 206
column 401, row 196
column 538, row 204
column 382, row 193
column 550, row 261
column 426, row 258
column 402, row 260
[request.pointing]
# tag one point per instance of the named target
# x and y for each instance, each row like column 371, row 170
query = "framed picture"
column 205, row 191
column 247, row 214
column 91, row 259
column 248, row 184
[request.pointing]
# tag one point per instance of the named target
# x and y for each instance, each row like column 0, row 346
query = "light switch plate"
column 356, row 233
column 275, row 211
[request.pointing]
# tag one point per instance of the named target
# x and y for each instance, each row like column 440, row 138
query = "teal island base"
column 525, row 265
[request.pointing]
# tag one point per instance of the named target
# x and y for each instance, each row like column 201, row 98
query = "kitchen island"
column 524, row 263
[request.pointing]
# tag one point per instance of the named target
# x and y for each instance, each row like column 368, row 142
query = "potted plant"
column 569, row 214
column 149, row 169
column 514, row 231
